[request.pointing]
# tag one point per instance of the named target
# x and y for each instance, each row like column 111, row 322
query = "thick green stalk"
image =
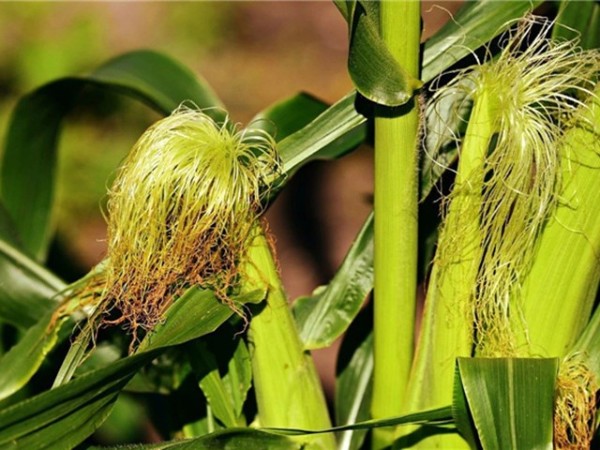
column 561, row 287
column 288, row 390
column 447, row 327
column 396, row 226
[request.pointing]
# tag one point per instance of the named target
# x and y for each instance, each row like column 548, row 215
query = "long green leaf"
column 159, row 81
column 225, row 394
column 26, row 287
column 75, row 356
column 578, row 20
column 24, row 359
column 211, row 383
column 511, row 400
column 231, row 439
column 476, row 23
column 238, row 378
column 29, row 159
column 48, row 418
column 336, row 131
column 273, row 438
column 462, row 415
column 331, row 310
column 19, row 364
column 288, row 116
column 438, row 416
column 353, row 393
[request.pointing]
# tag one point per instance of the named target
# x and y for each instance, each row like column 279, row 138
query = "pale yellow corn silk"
column 180, row 213
column 575, row 405
column 537, row 87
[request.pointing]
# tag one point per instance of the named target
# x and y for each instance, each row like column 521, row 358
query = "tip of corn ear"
column 180, row 213
column 575, row 405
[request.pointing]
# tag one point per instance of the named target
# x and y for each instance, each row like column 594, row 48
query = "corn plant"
column 495, row 119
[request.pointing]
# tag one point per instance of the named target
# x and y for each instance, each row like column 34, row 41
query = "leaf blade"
column 48, row 416
column 476, row 23
column 332, row 309
column 374, row 71
column 503, row 392
column 148, row 76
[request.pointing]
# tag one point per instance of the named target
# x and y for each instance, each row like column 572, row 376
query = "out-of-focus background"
column 251, row 53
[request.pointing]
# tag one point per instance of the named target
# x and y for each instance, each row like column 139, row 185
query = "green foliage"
column 375, row 72
column 245, row 374
column 510, row 400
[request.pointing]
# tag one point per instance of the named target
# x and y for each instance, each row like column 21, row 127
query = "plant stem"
column 288, row 390
column 396, row 226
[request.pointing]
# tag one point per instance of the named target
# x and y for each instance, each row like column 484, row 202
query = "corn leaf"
column 238, row 378
column 226, row 393
column 26, row 287
column 71, row 412
column 437, row 417
column 34, row 127
column 159, row 81
column 353, row 388
column 578, row 20
column 336, row 131
column 322, row 318
column 212, row 385
column 78, row 351
column 19, row 364
column 462, row 415
column 231, row 439
column 373, row 69
column 288, row 116
column 511, row 400
column 475, row 24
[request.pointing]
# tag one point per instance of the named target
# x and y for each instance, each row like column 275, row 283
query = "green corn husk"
column 559, row 292
column 560, row 288
column 288, row 390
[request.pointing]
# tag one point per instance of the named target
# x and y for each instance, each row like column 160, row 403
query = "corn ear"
column 559, row 291
column 180, row 213
column 288, row 390
column 507, row 185
column 447, row 328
